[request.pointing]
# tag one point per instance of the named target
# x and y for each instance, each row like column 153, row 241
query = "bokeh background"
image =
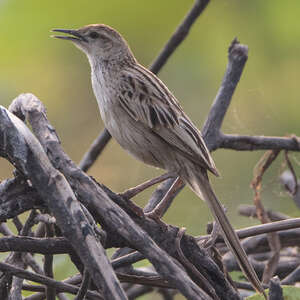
column 266, row 101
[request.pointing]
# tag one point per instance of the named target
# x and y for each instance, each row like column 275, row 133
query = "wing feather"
column 146, row 99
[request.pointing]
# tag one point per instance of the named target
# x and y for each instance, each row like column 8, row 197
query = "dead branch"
column 72, row 204
column 26, row 153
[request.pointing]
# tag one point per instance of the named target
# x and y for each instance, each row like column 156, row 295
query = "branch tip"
column 237, row 50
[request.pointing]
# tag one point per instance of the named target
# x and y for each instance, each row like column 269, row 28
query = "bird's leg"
column 130, row 193
column 158, row 211
column 215, row 233
column 211, row 240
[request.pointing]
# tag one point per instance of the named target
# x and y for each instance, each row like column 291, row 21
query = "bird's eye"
column 94, row 35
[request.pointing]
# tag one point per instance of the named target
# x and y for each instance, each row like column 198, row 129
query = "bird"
column 146, row 119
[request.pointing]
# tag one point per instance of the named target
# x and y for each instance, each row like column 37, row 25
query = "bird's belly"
column 136, row 138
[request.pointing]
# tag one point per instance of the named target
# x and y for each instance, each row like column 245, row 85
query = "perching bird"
column 146, row 119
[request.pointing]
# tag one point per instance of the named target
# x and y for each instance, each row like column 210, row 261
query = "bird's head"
column 99, row 42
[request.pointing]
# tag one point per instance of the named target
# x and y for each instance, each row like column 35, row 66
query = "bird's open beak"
column 74, row 35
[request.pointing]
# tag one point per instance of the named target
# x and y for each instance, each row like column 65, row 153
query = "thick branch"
column 16, row 197
column 111, row 216
column 27, row 154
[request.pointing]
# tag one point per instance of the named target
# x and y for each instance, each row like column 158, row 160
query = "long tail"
column 199, row 183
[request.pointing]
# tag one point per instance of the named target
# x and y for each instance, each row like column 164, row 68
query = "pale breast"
column 132, row 135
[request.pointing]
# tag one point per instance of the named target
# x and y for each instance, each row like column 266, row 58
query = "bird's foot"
column 156, row 217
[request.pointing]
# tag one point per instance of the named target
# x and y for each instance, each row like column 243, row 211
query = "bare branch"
column 275, row 292
column 111, row 216
column 57, row 245
column 204, row 282
column 251, row 143
column 237, row 57
column 293, row 277
column 31, row 159
column 261, row 229
column 63, row 287
column 126, row 260
column 274, row 242
column 250, row 211
column 179, row 35
column 95, row 150
column 138, row 290
column 48, row 265
column 12, row 194
column 84, row 286
column 288, row 181
column 214, row 138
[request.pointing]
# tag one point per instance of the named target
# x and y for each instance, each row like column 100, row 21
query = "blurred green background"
column 265, row 103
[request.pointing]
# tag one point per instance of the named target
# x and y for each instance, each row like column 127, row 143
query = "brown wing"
column 146, row 99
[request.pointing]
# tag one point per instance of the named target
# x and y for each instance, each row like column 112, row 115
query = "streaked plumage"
column 146, row 119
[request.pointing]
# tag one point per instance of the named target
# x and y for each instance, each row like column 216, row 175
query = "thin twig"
column 247, row 286
column 18, row 224
column 95, row 150
column 48, row 265
column 250, row 211
column 17, row 258
column 274, row 241
column 261, row 229
column 291, row 168
column 205, row 284
column 84, row 286
column 154, row 281
column 64, row 287
column 126, row 260
column 179, row 35
column 293, row 277
column 32, row 263
column 29, row 223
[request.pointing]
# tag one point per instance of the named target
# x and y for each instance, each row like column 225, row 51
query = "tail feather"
column 199, row 183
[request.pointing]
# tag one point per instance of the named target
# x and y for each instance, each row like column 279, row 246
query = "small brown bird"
column 146, row 119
